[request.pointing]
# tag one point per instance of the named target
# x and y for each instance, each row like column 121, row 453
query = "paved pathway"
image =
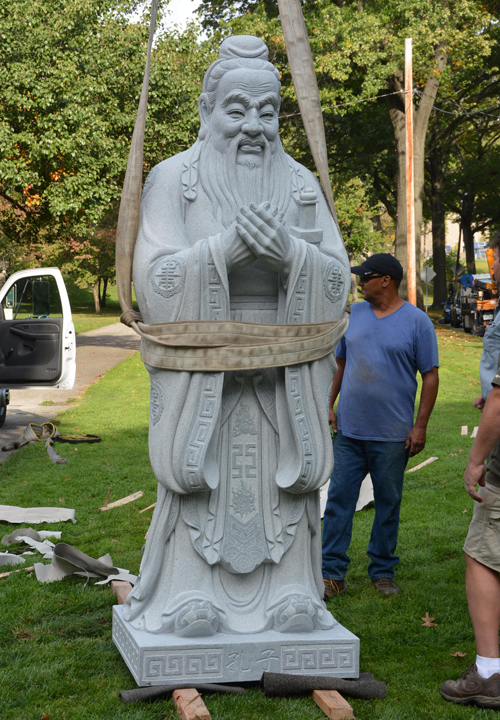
column 96, row 351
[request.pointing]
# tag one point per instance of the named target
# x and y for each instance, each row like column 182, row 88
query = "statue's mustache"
column 243, row 140
column 252, row 142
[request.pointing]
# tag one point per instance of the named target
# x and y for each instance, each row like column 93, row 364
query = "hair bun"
column 243, row 46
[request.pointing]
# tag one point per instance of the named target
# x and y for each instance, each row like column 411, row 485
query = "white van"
column 37, row 335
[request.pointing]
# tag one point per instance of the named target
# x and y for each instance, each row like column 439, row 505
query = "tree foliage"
column 358, row 47
column 70, row 80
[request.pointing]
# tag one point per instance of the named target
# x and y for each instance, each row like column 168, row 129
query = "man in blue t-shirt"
column 387, row 342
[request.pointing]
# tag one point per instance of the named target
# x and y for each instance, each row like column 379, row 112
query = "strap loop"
column 49, row 433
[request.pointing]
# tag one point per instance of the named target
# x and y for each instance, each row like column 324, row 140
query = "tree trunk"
column 438, row 210
column 104, row 291
column 97, row 303
column 467, row 231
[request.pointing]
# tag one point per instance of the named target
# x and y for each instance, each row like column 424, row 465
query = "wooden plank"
column 464, row 430
column 148, row 508
column 121, row 588
column 422, row 464
column 123, row 501
column 5, row 574
column 474, row 432
column 333, row 704
column 189, row 705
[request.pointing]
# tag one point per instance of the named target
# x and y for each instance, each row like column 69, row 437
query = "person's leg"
column 482, row 585
column 480, row 683
column 349, row 470
column 386, row 462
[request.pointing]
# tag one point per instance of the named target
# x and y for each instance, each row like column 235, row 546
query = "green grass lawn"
column 83, row 309
column 56, row 656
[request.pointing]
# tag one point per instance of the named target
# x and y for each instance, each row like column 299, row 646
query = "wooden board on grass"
column 122, row 501
column 333, row 704
column 121, row 588
column 189, row 705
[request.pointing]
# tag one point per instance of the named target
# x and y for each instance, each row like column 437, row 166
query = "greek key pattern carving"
column 207, row 663
column 156, row 402
column 201, row 428
column 168, row 276
column 320, row 658
column 214, row 292
column 125, row 644
column 301, row 424
column 298, row 314
column 333, row 281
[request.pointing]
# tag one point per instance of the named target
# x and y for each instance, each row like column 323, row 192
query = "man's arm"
column 487, row 437
column 337, row 382
column 416, row 437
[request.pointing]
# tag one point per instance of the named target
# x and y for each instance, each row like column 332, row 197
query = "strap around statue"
column 197, row 346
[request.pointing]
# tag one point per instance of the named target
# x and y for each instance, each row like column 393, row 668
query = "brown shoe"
column 472, row 689
column 334, row 588
column 386, row 586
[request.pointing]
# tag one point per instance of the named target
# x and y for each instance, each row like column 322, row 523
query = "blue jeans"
column 353, row 459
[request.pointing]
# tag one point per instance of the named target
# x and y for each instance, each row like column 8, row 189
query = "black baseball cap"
column 380, row 264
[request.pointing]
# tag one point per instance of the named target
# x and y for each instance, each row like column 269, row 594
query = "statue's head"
column 241, row 159
column 241, row 99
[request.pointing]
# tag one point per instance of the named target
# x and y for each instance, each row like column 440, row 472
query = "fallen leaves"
column 458, row 654
column 428, row 621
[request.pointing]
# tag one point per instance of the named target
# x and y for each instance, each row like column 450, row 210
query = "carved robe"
column 239, row 456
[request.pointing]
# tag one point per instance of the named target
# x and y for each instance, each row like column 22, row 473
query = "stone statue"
column 234, row 229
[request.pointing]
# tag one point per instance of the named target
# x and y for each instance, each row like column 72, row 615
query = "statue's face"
column 246, row 110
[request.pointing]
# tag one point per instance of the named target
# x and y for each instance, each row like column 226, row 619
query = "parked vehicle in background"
column 478, row 307
column 456, row 310
column 37, row 335
column 447, row 308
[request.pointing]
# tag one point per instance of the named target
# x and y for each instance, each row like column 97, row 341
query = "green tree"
column 70, row 79
column 462, row 158
column 358, row 48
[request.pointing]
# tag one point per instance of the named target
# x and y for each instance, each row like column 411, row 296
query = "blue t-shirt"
column 377, row 395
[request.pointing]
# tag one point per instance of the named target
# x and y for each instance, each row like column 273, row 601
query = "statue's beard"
column 230, row 185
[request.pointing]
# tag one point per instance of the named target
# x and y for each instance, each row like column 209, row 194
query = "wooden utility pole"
column 410, row 192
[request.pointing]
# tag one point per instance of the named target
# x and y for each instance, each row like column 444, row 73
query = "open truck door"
column 37, row 335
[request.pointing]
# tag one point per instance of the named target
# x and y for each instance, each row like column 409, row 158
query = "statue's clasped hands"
column 265, row 236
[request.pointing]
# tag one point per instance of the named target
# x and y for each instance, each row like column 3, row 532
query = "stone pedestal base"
column 163, row 659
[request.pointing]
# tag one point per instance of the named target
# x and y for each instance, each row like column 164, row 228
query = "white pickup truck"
column 37, row 335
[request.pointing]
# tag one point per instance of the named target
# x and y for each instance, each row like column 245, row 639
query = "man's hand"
column 332, row 419
column 479, row 403
column 474, row 475
column 236, row 251
column 415, row 440
column 266, row 237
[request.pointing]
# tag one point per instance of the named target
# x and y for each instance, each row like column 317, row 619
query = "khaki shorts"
column 483, row 539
